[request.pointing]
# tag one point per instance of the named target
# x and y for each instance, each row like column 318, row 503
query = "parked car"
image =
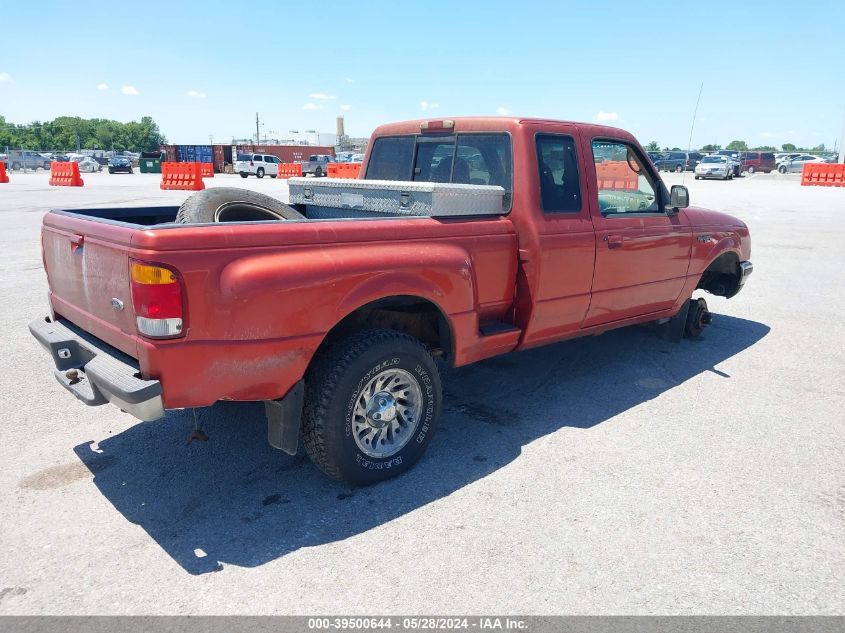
column 257, row 165
column 758, row 161
column 26, row 159
column 736, row 161
column 120, row 164
column 797, row 163
column 677, row 161
column 654, row 157
column 782, row 156
column 671, row 161
column 88, row 164
column 357, row 158
column 714, row 166
column 317, row 164
column 334, row 320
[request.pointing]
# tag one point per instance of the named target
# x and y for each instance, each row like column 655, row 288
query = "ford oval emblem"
column 117, row 304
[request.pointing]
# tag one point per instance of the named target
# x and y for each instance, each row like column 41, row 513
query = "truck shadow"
column 234, row 500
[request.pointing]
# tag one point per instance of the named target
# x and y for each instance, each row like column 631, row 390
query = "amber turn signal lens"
column 151, row 275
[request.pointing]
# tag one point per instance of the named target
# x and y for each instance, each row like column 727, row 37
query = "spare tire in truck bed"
column 231, row 204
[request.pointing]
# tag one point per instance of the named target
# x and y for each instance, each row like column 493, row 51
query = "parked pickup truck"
column 317, row 164
column 334, row 314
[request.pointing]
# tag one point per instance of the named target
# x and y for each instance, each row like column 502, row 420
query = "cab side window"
column 560, row 186
column 622, row 181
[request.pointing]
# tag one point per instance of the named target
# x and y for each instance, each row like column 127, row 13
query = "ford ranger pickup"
column 466, row 238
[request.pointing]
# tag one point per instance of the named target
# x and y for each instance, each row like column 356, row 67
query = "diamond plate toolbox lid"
column 392, row 197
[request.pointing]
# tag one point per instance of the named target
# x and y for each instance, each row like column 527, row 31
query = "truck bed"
column 261, row 296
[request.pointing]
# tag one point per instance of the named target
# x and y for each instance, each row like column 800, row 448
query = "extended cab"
column 334, row 316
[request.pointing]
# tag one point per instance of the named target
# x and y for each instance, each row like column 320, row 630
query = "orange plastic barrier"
column 207, row 170
column 616, row 174
column 182, row 176
column 289, row 170
column 344, row 170
column 823, row 174
column 65, row 175
column 4, row 177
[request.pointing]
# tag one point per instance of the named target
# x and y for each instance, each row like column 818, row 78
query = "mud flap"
column 673, row 330
column 283, row 419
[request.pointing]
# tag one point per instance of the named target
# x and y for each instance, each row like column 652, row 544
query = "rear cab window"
column 557, row 161
column 470, row 159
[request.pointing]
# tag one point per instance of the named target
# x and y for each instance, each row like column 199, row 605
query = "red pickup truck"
column 334, row 317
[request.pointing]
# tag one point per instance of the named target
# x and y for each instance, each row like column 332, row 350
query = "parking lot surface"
column 619, row 474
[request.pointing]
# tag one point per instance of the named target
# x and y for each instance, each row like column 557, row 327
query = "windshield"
column 713, row 159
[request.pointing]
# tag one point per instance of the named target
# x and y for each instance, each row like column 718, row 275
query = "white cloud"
column 606, row 117
column 310, row 106
column 427, row 105
column 321, row 95
column 196, row 94
column 130, row 90
column 346, row 107
column 5, row 77
column 502, row 110
column 102, row 86
column 349, row 81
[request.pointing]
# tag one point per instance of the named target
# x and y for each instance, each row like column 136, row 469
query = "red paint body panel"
column 260, row 297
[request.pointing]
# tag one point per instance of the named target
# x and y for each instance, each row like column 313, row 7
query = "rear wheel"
column 259, row 173
column 372, row 402
column 318, row 172
column 243, row 175
column 750, row 169
column 679, row 168
column 231, row 204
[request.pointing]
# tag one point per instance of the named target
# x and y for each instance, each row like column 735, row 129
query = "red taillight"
column 250, row 163
column 437, row 126
column 157, row 300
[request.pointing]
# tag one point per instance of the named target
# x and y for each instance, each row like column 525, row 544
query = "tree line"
column 68, row 133
column 742, row 146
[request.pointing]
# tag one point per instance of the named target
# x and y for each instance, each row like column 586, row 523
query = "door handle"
column 613, row 241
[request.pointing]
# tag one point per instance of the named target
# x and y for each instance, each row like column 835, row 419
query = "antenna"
column 692, row 127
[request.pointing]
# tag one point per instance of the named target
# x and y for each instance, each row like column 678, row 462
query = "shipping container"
column 287, row 153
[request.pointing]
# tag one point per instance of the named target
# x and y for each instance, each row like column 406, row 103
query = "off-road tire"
column 332, row 387
column 232, row 204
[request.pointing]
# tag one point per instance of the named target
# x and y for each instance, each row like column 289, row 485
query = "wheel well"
column 412, row 315
column 722, row 276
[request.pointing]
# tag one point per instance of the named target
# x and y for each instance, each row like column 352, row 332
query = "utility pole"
column 842, row 139
column 257, row 137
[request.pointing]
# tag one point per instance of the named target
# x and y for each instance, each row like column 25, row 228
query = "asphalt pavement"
column 618, row 474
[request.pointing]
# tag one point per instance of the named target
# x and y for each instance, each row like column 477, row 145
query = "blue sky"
column 205, row 68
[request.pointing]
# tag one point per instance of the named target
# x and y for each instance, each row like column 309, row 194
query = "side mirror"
column 678, row 198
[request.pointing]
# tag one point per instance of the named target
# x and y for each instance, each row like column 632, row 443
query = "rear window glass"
column 470, row 159
column 768, row 156
column 391, row 158
column 244, row 157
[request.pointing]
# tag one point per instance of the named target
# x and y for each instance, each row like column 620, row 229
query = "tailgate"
column 87, row 266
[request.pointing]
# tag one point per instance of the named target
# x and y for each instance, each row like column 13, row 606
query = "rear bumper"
column 96, row 373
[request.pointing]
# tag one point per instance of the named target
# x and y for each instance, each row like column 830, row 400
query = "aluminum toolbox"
column 335, row 197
